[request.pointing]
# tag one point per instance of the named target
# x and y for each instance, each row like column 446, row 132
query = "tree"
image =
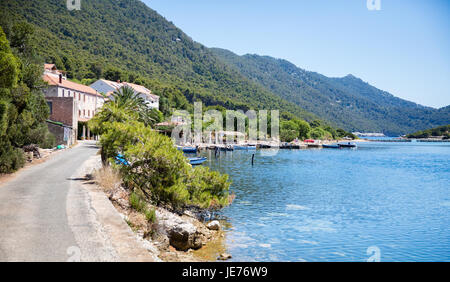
column 320, row 133
column 21, row 37
column 316, row 123
column 303, row 129
column 288, row 130
column 114, row 74
column 9, row 66
column 156, row 168
column 23, row 109
column 97, row 69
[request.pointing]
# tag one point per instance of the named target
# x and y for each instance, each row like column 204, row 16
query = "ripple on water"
column 323, row 204
column 296, row 208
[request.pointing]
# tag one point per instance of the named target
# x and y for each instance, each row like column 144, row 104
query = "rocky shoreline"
column 171, row 237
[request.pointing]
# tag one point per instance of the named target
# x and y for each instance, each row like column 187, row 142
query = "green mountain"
column 131, row 38
column 125, row 39
column 348, row 102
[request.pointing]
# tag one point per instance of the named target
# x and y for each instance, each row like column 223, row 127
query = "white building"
column 107, row 87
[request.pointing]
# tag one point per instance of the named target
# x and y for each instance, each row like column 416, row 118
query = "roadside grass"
column 108, row 178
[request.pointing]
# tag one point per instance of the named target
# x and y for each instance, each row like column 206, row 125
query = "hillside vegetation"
column 125, row 39
column 348, row 102
column 23, row 109
column 439, row 131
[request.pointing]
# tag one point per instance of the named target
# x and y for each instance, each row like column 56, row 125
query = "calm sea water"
column 332, row 205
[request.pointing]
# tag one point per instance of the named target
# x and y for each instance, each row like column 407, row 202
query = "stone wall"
column 63, row 110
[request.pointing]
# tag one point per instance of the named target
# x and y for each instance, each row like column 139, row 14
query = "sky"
column 403, row 48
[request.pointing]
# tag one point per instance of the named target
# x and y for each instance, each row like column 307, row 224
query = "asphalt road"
column 45, row 215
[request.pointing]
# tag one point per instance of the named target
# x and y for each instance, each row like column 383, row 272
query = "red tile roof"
column 70, row 85
column 49, row 66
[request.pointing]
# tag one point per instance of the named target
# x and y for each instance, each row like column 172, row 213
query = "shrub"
column 137, row 203
column 140, row 205
column 150, row 215
column 159, row 170
column 11, row 159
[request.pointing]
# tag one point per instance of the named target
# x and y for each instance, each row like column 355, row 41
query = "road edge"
column 123, row 240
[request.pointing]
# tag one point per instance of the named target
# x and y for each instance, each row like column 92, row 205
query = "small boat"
column 197, row 161
column 188, row 149
column 120, row 159
column 347, row 145
column 331, row 146
column 309, row 141
column 245, row 147
column 227, row 148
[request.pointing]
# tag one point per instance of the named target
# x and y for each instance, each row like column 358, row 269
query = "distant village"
column 72, row 104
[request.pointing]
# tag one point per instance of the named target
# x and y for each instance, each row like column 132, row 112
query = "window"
column 84, row 112
column 63, row 92
column 50, row 106
column 79, row 113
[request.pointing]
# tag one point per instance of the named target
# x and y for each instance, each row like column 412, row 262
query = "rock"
column 224, row 256
column 120, row 196
column 189, row 213
column 213, row 225
column 183, row 235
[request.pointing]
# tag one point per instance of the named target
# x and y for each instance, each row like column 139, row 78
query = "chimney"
column 60, row 78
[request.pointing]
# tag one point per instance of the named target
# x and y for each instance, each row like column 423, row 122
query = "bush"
column 140, row 205
column 48, row 142
column 160, row 171
column 317, row 133
column 23, row 109
column 11, row 159
column 137, row 203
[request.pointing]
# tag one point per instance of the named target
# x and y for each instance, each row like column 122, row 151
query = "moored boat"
column 347, row 145
column 227, row 148
column 331, row 146
column 188, row 149
column 197, row 161
column 245, row 147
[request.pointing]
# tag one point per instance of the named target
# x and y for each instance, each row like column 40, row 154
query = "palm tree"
column 124, row 104
column 127, row 99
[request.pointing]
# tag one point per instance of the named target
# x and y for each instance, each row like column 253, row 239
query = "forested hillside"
column 125, row 39
column 348, row 102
